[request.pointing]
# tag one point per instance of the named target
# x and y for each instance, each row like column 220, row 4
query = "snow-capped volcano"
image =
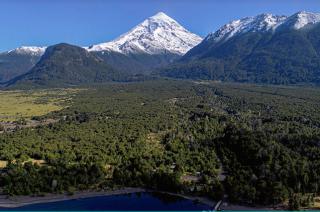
column 156, row 35
column 29, row 50
column 264, row 23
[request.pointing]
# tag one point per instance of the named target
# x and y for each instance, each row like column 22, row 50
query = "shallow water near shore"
column 136, row 202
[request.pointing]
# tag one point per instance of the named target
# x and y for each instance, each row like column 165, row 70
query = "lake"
column 137, row 201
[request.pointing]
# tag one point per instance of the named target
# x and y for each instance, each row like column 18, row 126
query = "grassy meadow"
column 26, row 104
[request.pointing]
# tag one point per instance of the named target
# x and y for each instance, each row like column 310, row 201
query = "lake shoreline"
column 20, row 201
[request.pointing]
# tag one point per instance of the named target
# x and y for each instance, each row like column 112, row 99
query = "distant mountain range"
column 261, row 49
column 156, row 42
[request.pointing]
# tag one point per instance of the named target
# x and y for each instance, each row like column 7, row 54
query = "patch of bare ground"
column 12, row 126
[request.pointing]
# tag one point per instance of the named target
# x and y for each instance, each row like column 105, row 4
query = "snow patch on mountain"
column 29, row 50
column 156, row 35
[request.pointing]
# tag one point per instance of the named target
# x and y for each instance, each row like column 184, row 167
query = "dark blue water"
column 137, row 202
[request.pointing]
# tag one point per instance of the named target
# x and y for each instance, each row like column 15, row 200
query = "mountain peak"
column 305, row 13
column 161, row 15
column 301, row 19
column 157, row 34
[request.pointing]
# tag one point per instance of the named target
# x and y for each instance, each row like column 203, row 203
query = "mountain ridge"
column 278, row 52
column 64, row 65
column 263, row 23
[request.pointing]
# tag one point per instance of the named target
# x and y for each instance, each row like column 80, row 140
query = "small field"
column 15, row 105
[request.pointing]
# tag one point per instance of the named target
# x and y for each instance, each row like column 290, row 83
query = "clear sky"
column 87, row 22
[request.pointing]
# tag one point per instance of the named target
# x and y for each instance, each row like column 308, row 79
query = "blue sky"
column 86, row 22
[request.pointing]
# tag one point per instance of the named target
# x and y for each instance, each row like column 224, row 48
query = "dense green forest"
column 256, row 144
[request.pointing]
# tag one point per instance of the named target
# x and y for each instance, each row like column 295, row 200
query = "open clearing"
column 15, row 105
